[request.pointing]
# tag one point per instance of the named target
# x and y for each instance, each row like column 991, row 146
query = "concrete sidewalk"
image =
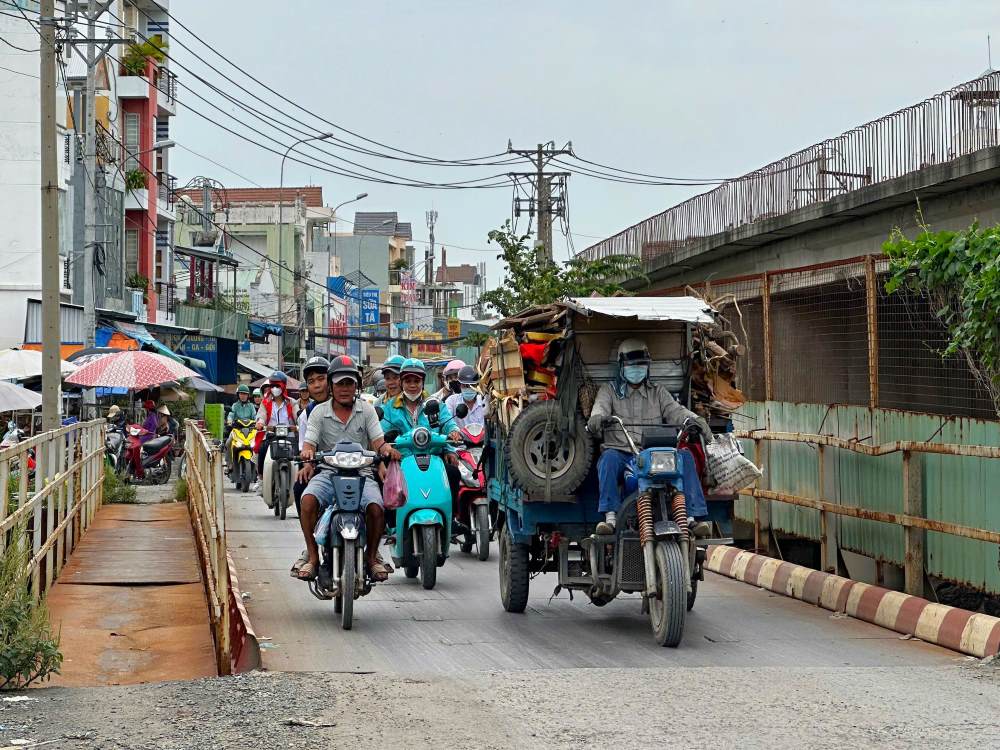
column 130, row 605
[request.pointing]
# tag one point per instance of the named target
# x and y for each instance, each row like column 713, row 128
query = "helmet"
column 315, row 364
column 148, row 405
column 341, row 366
column 633, row 350
column 380, row 385
column 468, row 375
column 453, row 367
column 114, row 411
column 278, row 377
column 413, row 366
column 243, row 388
column 163, row 410
column 256, row 393
column 393, row 363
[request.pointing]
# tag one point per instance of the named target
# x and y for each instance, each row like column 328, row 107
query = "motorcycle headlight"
column 348, row 460
column 662, row 462
column 421, row 437
column 281, row 430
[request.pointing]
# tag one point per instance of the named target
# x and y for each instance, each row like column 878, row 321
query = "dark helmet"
column 380, row 385
column 315, row 364
column 278, row 377
column 468, row 375
column 341, row 366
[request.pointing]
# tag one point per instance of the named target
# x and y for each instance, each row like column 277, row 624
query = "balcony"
column 132, row 87
column 219, row 321
column 137, row 200
column 166, row 99
column 165, row 196
column 166, row 303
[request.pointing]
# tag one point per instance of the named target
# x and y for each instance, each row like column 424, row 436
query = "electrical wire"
column 19, row 49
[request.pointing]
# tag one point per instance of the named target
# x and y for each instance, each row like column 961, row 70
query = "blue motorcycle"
column 340, row 533
column 422, row 530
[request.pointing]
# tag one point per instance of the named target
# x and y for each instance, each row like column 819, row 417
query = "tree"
column 960, row 273
column 528, row 281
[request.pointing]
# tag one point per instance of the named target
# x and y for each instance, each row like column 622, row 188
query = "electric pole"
column 543, row 203
column 432, row 217
column 51, row 336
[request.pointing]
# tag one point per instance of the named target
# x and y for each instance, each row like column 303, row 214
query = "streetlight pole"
column 358, row 197
column 281, row 226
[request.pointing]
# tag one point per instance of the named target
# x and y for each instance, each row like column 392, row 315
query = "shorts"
column 321, row 487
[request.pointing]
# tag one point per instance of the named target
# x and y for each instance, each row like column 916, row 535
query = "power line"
column 19, row 49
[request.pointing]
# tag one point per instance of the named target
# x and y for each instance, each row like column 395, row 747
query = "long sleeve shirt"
column 649, row 404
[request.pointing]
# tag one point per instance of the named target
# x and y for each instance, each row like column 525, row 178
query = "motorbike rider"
column 468, row 378
column 241, row 410
column 390, row 374
column 406, row 411
column 116, row 418
column 638, row 401
column 256, row 397
column 344, row 416
column 165, row 424
column 275, row 409
column 379, row 388
column 449, row 377
column 149, row 427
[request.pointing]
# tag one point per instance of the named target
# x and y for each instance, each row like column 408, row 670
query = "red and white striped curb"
column 958, row 629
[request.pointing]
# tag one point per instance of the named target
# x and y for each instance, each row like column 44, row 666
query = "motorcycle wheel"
column 514, row 579
column 283, row 485
column 483, row 532
column 244, row 475
column 168, row 468
column 428, row 556
column 668, row 607
column 348, row 581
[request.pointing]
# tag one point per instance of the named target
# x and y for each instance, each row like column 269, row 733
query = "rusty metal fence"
column 830, row 334
column 236, row 644
column 954, row 123
column 49, row 508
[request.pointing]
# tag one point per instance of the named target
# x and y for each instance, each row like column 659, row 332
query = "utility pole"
column 432, row 217
column 51, row 335
column 543, row 203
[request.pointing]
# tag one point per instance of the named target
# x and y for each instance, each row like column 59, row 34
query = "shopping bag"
column 394, row 488
column 728, row 469
column 322, row 531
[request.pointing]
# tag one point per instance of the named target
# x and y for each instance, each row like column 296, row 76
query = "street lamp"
column 358, row 197
column 281, row 223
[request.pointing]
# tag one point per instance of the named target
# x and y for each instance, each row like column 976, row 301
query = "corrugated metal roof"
column 679, row 309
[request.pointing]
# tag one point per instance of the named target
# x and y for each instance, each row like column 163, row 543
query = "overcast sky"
column 686, row 89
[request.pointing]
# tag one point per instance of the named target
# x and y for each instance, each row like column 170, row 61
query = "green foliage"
column 117, row 491
column 28, row 649
column 529, row 281
column 181, row 490
column 960, row 274
column 475, row 339
column 398, row 265
column 135, row 57
column 135, row 179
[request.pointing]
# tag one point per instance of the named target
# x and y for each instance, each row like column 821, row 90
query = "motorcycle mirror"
column 380, row 411
column 461, row 411
column 391, row 435
column 432, row 407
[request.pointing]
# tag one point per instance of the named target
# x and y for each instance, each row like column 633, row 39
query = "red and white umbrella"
column 134, row 370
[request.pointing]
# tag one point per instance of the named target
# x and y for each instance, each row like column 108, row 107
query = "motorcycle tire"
column 168, row 469
column 482, row 532
column 668, row 607
column 514, row 578
column 246, row 468
column 348, row 582
column 428, row 556
column 540, row 458
column 283, row 487
column 411, row 571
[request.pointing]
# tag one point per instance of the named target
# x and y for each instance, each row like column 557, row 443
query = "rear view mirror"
column 461, row 411
column 380, row 411
column 432, row 407
column 391, row 435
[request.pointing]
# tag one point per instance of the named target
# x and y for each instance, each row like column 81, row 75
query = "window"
column 131, row 252
column 131, row 140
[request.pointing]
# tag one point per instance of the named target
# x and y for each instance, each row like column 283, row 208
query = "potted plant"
column 140, row 282
column 135, row 179
column 136, row 56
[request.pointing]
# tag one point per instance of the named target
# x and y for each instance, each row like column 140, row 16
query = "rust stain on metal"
column 883, row 449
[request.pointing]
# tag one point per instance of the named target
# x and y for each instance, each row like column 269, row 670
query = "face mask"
column 275, row 391
column 635, row 374
column 413, row 396
column 469, row 394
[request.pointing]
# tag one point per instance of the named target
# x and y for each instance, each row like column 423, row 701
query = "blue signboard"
column 353, row 317
column 369, row 307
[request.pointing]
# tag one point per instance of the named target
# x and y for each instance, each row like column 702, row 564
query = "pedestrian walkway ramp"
column 130, row 604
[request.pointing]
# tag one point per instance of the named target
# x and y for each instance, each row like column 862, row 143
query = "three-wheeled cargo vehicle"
column 547, row 365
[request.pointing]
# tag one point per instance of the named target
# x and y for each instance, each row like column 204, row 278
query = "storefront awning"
column 254, row 367
column 146, row 339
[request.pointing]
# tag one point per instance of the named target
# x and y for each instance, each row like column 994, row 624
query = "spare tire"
column 541, row 458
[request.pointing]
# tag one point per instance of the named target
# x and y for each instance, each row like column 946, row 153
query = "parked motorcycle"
column 13, row 436
column 114, row 449
column 156, row 456
column 241, row 457
column 340, row 533
column 423, row 525
column 474, row 507
column 278, row 475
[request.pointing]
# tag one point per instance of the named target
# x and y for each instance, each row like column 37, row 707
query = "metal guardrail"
column 56, row 506
column 912, row 518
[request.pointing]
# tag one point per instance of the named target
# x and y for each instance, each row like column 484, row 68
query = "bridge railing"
column 52, row 504
column 236, row 645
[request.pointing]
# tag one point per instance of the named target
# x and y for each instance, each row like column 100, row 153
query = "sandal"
column 379, row 571
column 386, row 565
column 303, row 559
column 306, row 572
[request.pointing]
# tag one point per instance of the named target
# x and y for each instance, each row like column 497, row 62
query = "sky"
column 680, row 89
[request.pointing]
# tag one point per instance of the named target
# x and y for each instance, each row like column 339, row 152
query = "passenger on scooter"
column 149, row 426
column 379, row 389
column 316, row 390
column 638, row 401
column 165, row 424
column 275, row 409
column 390, row 373
column 468, row 378
column 345, row 416
column 116, row 418
column 449, row 377
column 406, row 411
column 257, row 398
column 241, row 410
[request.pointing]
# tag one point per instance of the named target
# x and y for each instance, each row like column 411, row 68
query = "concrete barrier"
column 971, row 633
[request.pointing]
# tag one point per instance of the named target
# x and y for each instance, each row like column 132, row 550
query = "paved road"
column 460, row 628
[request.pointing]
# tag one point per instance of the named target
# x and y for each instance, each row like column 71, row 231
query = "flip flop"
column 303, row 559
column 379, row 571
column 306, row 572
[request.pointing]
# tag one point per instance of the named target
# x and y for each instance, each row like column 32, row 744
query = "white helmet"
column 633, row 350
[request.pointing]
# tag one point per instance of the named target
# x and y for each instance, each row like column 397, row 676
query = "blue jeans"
column 611, row 471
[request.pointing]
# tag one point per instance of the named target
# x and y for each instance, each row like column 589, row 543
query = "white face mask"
column 413, row 396
column 275, row 391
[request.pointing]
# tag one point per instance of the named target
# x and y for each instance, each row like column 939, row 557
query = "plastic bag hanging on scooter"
column 394, row 490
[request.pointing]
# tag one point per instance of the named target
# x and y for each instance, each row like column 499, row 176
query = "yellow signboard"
column 429, row 346
column 454, row 328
